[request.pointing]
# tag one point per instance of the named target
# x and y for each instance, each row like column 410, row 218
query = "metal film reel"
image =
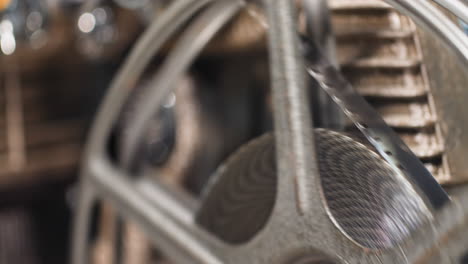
column 306, row 223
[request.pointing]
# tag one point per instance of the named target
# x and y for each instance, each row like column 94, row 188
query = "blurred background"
column 57, row 58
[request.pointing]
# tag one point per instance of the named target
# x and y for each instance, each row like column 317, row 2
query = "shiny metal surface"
column 379, row 210
column 373, row 127
column 372, row 204
column 457, row 7
column 319, row 28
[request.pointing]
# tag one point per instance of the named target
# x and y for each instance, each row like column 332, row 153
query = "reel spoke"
column 308, row 214
column 180, row 58
column 146, row 47
column 172, row 227
column 169, row 223
column 295, row 152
